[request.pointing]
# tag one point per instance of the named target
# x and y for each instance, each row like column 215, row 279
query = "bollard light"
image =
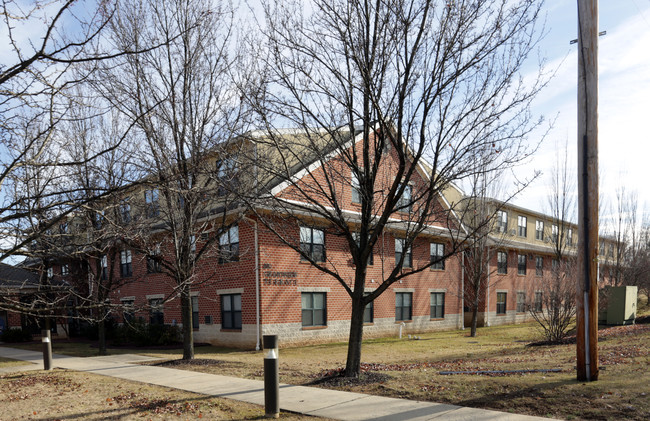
column 271, row 377
column 47, row 349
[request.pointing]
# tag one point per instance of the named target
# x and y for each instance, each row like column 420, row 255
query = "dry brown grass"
column 61, row 394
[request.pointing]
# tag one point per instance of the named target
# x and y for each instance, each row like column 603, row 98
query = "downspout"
column 462, row 292
column 487, row 295
column 257, row 283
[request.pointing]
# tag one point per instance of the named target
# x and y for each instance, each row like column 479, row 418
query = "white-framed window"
column 154, row 260
column 555, row 232
column 569, row 237
column 403, row 306
column 50, row 273
column 437, row 305
column 404, row 203
column 65, row 269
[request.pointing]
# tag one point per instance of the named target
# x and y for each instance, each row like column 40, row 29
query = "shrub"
column 15, row 335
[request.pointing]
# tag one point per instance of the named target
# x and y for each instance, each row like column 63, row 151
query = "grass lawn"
column 411, row 369
column 61, row 394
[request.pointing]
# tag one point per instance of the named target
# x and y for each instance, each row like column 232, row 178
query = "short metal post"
column 271, row 377
column 47, row 349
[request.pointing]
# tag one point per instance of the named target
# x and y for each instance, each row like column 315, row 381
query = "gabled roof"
column 15, row 277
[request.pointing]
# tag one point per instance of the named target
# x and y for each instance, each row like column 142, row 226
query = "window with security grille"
column 403, row 306
column 231, row 311
column 312, row 244
column 437, row 252
column 229, row 245
column 502, row 262
column 437, row 305
column 314, row 309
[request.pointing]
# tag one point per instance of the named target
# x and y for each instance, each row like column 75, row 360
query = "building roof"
column 15, row 277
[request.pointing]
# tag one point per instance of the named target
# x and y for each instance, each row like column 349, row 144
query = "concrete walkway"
column 301, row 399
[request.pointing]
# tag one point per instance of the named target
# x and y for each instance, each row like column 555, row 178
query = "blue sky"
column 624, row 99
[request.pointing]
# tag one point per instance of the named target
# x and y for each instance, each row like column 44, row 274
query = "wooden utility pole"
column 587, row 288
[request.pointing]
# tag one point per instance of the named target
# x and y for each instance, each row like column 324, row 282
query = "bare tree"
column 394, row 100
column 554, row 305
column 186, row 106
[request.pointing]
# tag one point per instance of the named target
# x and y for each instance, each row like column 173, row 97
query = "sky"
column 624, row 101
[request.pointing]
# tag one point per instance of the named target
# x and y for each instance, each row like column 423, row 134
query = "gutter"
column 257, row 283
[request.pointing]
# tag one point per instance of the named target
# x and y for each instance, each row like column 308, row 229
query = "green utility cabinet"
column 621, row 307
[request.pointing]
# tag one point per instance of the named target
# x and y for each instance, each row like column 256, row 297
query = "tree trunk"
column 186, row 318
column 353, row 364
column 101, row 331
column 474, row 320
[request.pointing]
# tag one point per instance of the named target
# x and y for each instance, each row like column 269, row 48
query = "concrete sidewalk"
column 301, row 399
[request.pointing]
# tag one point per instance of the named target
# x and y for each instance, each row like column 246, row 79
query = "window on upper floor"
column 555, row 232
column 63, row 228
column 437, row 253
column 502, row 221
column 521, row 264
column 227, row 175
column 400, row 248
column 151, row 204
column 50, row 273
column 125, row 212
column 539, row 230
column 502, row 262
column 125, row 263
column 522, row 226
column 357, row 239
column 539, row 265
column 65, row 269
column 569, row 237
column 229, row 245
column 104, row 267
column 312, row 244
column 154, row 260
column 404, row 204
column 355, row 191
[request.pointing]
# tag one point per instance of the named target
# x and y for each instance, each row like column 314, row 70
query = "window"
column 153, row 260
column 128, row 310
column 522, row 229
column 521, row 264
column 229, row 245
column 569, row 237
column 539, row 265
column 104, row 267
column 400, row 244
column 65, row 269
column 156, row 314
column 192, row 245
column 231, row 311
column 227, row 174
column 501, row 302
column 539, row 230
column 356, row 192
column 538, row 301
column 601, row 249
column 437, row 305
column 125, row 263
column 437, row 252
column 312, row 244
column 152, row 208
column 502, row 262
column 554, row 233
column 195, row 312
column 125, row 212
column 98, row 220
column 314, row 306
column 357, row 239
column 403, row 309
column 610, row 251
column 369, row 312
column 521, row 302
column 555, row 265
column 63, row 228
column 404, row 203
column 502, row 221
column 50, row 273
